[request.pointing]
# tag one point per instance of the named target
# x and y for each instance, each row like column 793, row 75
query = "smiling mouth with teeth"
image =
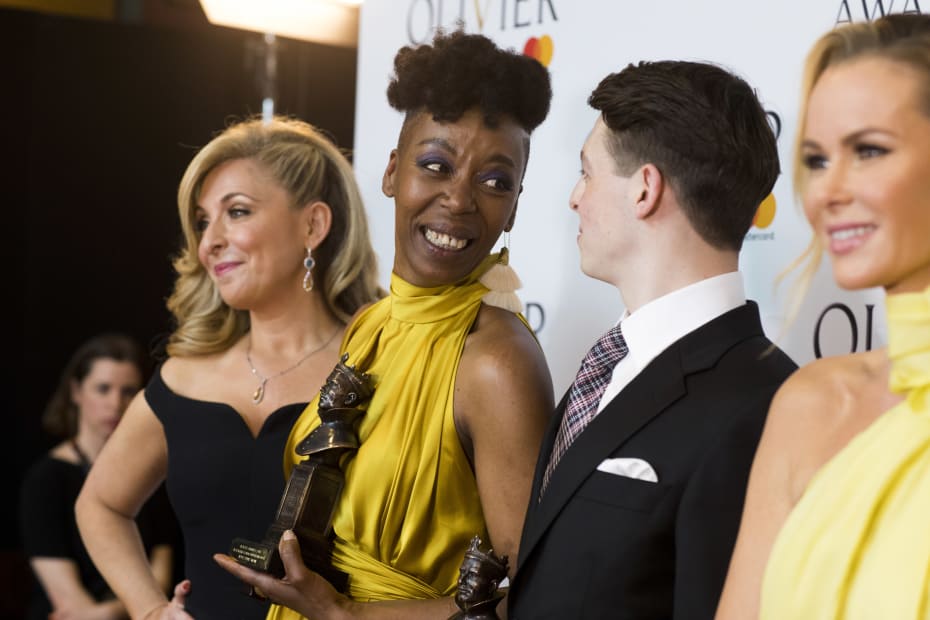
column 849, row 233
column 444, row 241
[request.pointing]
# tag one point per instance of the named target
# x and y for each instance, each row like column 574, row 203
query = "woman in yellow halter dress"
column 838, row 507
column 462, row 394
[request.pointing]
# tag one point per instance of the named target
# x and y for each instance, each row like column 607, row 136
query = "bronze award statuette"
column 316, row 483
column 480, row 574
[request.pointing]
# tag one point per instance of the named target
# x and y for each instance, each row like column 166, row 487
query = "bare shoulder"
column 824, row 392
column 502, row 373
column 64, row 452
column 177, row 367
column 500, row 342
column 822, row 406
column 184, row 374
column 497, row 327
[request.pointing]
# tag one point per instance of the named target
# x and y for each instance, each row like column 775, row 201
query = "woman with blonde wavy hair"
column 835, row 522
column 276, row 259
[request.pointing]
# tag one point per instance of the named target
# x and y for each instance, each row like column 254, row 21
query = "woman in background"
column 95, row 388
column 276, row 258
column 462, row 395
column 835, row 523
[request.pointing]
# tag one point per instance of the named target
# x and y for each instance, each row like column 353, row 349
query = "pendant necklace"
column 259, row 392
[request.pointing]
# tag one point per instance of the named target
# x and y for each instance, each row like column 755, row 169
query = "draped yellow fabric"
column 857, row 545
column 410, row 503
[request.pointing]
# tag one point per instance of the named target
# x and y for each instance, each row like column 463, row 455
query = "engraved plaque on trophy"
column 479, row 576
column 315, row 484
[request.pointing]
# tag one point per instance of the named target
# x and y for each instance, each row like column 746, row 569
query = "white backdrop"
column 762, row 40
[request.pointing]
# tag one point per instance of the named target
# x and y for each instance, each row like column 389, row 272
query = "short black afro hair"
column 461, row 71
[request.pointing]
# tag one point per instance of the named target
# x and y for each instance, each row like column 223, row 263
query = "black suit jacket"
column 599, row 545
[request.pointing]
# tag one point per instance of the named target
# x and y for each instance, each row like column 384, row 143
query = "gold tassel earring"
column 502, row 281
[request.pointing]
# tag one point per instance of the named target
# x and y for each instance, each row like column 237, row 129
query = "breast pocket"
column 622, row 492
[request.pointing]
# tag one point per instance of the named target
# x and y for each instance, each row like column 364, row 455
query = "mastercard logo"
column 765, row 213
column 539, row 48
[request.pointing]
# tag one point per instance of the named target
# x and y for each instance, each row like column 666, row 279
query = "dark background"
column 100, row 119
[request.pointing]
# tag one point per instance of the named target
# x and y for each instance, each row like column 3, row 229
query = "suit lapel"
column 643, row 399
column 659, row 385
column 532, row 513
column 545, row 449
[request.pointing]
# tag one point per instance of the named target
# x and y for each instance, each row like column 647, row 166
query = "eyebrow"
column 445, row 145
column 441, row 143
column 853, row 137
column 227, row 197
column 232, row 195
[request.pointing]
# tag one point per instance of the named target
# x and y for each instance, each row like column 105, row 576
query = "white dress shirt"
column 653, row 327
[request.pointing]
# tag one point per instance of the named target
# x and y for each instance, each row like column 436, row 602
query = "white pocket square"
column 629, row 468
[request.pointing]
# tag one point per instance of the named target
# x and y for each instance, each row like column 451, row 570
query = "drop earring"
column 502, row 281
column 308, row 264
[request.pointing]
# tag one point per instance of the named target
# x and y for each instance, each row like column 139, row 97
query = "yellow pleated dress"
column 857, row 545
column 410, row 504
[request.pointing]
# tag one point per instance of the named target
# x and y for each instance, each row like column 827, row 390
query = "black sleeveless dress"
column 223, row 483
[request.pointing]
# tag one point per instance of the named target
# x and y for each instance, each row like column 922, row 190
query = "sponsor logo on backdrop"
column 867, row 10
column 540, row 48
column 764, row 217
column 535, row 315
column 842, row 318
column 765, row 214
column 424, row 17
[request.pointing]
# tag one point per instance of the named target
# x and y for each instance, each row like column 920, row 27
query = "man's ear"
column 650, row 187
column 318, row 219
column 387, row 181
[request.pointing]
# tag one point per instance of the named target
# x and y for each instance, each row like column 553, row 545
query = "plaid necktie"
column 585, row 394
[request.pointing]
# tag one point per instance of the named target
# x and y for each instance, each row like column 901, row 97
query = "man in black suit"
column 640, row 482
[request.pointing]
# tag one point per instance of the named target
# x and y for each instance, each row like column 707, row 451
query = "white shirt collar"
column 653, row 327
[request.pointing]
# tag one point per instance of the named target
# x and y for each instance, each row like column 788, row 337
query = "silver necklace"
column 259, row 392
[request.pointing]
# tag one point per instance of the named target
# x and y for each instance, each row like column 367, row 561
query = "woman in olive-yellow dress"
column 450, row 437
column 838, row 507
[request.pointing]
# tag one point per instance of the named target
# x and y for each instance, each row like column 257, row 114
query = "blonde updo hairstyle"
column 310, row 168
column 904, row 39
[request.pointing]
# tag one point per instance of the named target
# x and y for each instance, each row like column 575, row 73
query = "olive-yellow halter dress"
column 410, row 504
